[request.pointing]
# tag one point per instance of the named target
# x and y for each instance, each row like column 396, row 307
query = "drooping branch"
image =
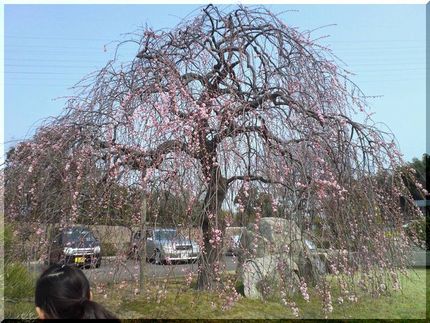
column 138, row 159
column 251, row 178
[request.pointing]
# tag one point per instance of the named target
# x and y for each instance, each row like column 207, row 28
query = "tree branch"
column 255, row 178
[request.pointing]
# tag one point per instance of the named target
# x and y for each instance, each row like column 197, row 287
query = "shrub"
column 240, row 287
column 8, row 242
column 14, row 249
column 416, row 230
column 19, row 282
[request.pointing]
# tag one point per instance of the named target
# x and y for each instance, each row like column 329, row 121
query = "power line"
column 51, row 60
column 377, row 41
column 47, row 66
column 78, row 72
column 325, row 39
column 42, row 73
column 413, row 62
column 374, row 80
column 57, row 38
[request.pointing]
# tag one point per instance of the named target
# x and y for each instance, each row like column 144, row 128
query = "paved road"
column 117, row 271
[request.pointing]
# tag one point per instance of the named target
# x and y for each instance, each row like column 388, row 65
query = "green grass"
column 409, row 303
column 182, row 303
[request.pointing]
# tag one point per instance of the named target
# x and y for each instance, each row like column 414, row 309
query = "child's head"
column 63, row 292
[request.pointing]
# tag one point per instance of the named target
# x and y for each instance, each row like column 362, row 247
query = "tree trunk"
column 212, row 205
column 142, row 247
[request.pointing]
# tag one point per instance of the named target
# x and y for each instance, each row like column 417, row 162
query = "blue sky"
column 49, row 48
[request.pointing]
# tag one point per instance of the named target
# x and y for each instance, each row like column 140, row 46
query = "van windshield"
column 165, row 235
column 78, row 234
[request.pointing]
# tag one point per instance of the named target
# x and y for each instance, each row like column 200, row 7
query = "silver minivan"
column 166, row 245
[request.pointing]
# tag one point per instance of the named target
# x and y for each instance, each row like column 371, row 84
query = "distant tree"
column 170, row 208
column 418, row 230
column 247, row 199
column 419, row 179
column 266, row 201
column 252, row 202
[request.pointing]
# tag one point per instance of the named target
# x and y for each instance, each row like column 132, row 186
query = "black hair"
column 63, row 292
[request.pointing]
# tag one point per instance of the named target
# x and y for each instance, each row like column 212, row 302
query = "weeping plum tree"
column 213, row 106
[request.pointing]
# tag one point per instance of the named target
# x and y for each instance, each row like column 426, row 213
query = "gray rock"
column 272, row 236
column 262, row 279
column 276, row 255
column 311, row 266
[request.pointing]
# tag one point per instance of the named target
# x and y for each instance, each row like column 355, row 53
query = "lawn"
column 182, row 302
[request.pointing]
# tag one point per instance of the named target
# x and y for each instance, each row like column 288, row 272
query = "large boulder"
column 311, row 265
column 273, row 253
column 272, row 236
column 262, row 278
